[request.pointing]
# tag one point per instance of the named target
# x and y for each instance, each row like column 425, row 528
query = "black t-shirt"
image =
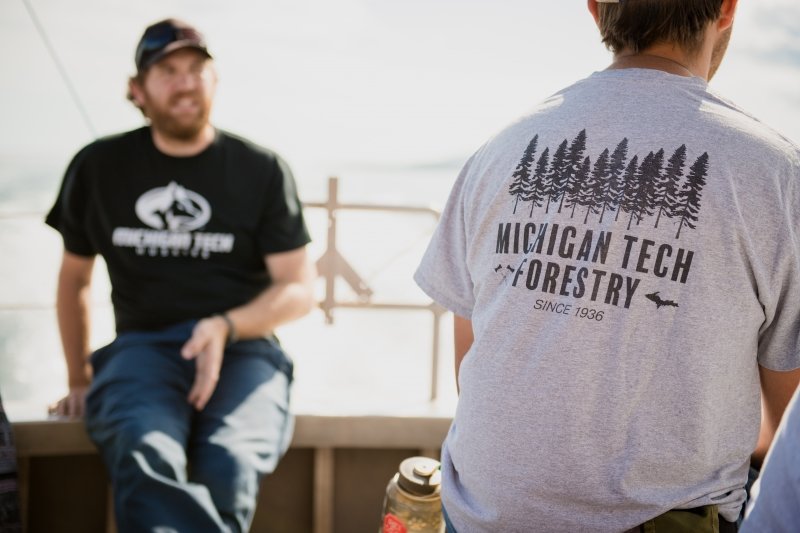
column 183, row 237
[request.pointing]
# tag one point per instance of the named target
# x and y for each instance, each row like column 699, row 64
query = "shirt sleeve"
column 282, row 227
column 779, row 338
column 443, row 272
column 69, row 214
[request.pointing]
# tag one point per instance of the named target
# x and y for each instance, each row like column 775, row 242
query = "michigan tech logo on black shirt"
column 173, row 208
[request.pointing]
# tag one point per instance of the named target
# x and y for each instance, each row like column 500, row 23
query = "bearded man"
column 205, row 244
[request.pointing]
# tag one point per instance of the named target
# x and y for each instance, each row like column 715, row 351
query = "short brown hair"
column 638, row 24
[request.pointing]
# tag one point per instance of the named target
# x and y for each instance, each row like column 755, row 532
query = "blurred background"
column 391, row 97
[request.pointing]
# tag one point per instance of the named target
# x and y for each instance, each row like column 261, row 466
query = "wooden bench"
column 332, row 479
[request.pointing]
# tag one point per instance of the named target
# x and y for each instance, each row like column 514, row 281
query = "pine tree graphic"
column 627, row 195
column 639, row 190
column 523, row 171
column 639, row 204
column 593, row 186
column 651, row 177
column 556, row 174
column 539, row 187
column 577, row 194
column 572, row 164
column 667, row 188
column 576, row 186
column 688, row 207
column 614, row 184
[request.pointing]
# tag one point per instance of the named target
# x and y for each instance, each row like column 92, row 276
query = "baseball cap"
column 165, row 37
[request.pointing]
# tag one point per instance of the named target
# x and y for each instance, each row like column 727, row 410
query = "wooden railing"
column 333, row 264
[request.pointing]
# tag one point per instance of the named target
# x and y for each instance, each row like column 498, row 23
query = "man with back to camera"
column 205, row 244
column 625, row 275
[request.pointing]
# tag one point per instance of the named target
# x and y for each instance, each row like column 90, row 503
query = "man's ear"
column 135, row 93
column 592, row 4
column 727, row 13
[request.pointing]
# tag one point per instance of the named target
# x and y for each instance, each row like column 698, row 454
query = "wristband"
column 232, row 335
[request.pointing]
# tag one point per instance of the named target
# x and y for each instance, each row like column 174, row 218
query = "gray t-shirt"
column 775, row 498
column 627, row 253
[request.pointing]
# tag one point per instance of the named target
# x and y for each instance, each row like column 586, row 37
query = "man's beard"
column 183, row 128
column 720, row 47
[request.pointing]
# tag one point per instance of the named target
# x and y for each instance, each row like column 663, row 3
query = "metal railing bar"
column 374, row 207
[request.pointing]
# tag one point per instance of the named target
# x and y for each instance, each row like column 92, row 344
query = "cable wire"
column 62, row 71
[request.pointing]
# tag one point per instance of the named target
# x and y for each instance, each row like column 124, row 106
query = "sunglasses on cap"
column 165, row 37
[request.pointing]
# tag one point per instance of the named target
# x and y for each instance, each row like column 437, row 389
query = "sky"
column 391, row 97
column 352, row 84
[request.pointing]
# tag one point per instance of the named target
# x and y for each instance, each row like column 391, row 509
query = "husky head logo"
column 173, row 208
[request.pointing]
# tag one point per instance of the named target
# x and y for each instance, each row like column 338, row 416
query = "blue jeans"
column 173, row 468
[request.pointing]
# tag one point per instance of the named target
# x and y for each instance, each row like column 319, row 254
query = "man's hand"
column 73, row 405
column 207, row 347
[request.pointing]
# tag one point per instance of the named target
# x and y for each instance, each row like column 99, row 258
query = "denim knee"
column 131, row 448
column 225, row 471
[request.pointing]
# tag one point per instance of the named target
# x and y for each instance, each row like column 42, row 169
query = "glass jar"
column 413, row 501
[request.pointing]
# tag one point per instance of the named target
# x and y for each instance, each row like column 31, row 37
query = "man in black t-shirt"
column 205, row 243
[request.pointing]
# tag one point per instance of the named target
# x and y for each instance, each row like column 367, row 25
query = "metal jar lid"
column 420, row 476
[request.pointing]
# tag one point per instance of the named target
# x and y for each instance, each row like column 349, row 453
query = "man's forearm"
column 73, row 310
column 290, row 296
column 463, row 339
column 777, row 389
column 279, row 304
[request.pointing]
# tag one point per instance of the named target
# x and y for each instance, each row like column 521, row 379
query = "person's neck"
column 666, row 58
column 183, row 147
